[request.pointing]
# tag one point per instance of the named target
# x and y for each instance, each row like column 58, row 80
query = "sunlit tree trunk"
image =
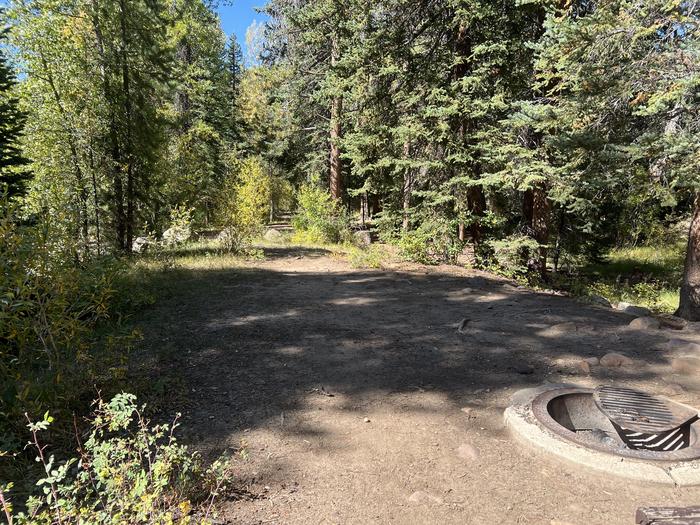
column 689, row 307
column 336, row 164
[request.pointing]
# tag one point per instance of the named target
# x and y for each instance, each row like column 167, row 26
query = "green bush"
column 245, row 205
column 510, row 256
column 434, row 241
column 126, row 471
column 50, row 304
column 319, row 218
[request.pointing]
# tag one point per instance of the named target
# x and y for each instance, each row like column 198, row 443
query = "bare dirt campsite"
column 363, row 396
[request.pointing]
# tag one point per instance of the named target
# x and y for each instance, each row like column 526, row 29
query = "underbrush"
column 126, row 471
column 648, row 276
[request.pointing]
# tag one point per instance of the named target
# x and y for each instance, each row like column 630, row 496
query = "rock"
column 272, row 235
column 140, row 245
column 628, row 308
column 362, row 238
column 686, row 365
column 615, row 360
column 592, row 361
column 673, row 389
column 560, row 329
column 599, row 300
column 583, row 367
column 421, row 497
column 462, row 328
column 524, row 369
column 367, row 420
column 173, row 236
column 672, row 322
column 645, row 323
column 466, row 451
column 682, row 347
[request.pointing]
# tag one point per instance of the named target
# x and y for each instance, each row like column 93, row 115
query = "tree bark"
column 407, row 188
column 536, row 212
column 336, row 164
column 128, row 146
column 689, row 306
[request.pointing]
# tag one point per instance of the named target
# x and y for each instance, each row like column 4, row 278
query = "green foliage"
column 319, row 218
column 372, row 256
column 434, row 241
column 12, row 174
column 510, row 255
column 127, row 471
column 245, row 204
column 49, row 306
column 180, row 229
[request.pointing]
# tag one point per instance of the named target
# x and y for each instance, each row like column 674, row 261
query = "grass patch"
column 648, row 276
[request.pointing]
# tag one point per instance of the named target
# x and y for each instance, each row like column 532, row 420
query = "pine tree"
column 13, row 175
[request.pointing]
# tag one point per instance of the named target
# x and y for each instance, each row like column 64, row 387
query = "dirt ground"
column 359, row 401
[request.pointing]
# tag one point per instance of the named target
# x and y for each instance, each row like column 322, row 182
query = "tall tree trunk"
column 336, row 165
column 689, row 306
column 115, row 161
column 536, row 213
column 407, row 187
column 130, row 183
column 540, row 225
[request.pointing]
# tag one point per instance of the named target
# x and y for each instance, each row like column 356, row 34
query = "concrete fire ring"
column 530, row 423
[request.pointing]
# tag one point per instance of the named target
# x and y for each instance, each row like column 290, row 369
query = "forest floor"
column 358, row 400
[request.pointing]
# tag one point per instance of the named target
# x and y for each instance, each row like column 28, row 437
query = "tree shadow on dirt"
column 253, row 345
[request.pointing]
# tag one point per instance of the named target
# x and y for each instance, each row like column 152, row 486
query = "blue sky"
column 237, row 17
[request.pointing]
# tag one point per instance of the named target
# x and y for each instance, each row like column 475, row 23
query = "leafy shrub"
column 180, row 229
column 319, row 218
column 434, row 241
column 127, row 471
column 511, row 254
column 245, row 206
column 49, row 306
column 369, row 257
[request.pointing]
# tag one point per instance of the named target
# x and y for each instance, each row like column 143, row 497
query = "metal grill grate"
column 644, row 421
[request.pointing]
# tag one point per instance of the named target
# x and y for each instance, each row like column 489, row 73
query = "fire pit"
column 623, row 432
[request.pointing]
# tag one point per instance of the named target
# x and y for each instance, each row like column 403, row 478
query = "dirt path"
column 360, row 402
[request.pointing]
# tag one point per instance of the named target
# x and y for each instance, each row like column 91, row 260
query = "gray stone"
column 140, row 244
column 682, row 347
column 272, row 235
column 615, row 360
column 592, row 361
column 173, row 236
column 645, row 323
column 628, row 308
column 599, row 300
column 362, row 237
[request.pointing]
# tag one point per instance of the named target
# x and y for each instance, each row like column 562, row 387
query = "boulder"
column 645, row 323
column 362, row 237
column 686, row 365
column 599, row 300
column 583, row 367
column 272, row 235
column 173, row 236
column 140, row 244
column 592, row 361
column 628, row 308
column 682, row 347
column 615, row 360
column 672, row 322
